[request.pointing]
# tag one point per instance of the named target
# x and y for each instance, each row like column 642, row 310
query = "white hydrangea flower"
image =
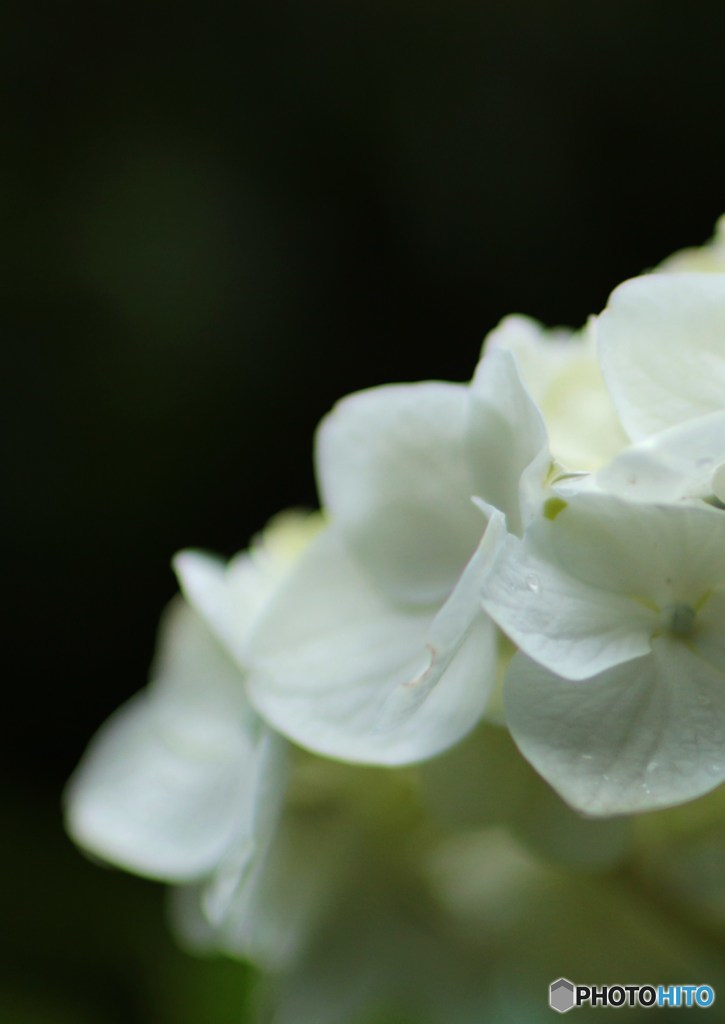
column 372, row 634
column 375, row 649
column 617, row 696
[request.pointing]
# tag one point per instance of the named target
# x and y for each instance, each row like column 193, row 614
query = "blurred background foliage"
column 218, row 221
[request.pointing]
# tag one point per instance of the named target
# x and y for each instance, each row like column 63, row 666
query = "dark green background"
column 218, row 222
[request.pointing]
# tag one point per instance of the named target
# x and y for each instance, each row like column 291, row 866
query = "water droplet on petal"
column 605, row 778
column 532, row 582
column 587, row 757
column 652, row 767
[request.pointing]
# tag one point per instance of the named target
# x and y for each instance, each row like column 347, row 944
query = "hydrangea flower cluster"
column 501, row 639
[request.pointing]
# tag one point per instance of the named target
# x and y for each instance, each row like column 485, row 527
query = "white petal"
column 331, row 653
column 569, row 626
column 230, row 595
column 647, row 734
column 542, row 354
column 194, row 679
column 662, row 347
column 145, row 800
column 507, row 442
column 170, row 782
column 655, row 553
column 462, row 607
column 561, row 372
column 394, row 475
column 257, row 826
column 226, row 596
column 675, row 463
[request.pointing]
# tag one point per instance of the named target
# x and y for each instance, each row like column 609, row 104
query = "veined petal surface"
column 570, row 626
column 649, row 733
column 660, row 554
column 341, row 670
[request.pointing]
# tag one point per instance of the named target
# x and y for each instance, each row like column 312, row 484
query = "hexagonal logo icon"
column 561, row 995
